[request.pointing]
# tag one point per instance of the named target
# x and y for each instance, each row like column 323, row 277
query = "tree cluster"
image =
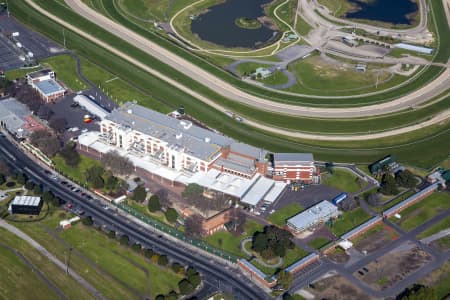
column 388, row 185
column 272, row 242
column 28, row 96
column 118, row 164
column 70, row 155
column 193, row 195
column 193, row 226
column 94, row 176
column 47, row 142
column 406, row 179
column 418, row 292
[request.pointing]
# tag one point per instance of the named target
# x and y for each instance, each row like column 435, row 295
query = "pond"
column 389, row 11
column 218, row 24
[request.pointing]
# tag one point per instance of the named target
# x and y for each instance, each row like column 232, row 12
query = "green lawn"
column 280, row 216
column 442, row 225
column 424, row 210
column 394, row 202
column 143, row 209
column 318, row 242
column 349, row 220
column 65, row 69
column 77, row 174
column 363, row 236
column 343, row 180
column 19, row 282
column 116, row 271
column 231, row 243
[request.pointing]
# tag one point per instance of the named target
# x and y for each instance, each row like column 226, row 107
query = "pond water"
column 218, row 26
column 390, row 11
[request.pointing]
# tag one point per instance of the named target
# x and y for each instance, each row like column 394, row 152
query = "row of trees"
column 186, row 286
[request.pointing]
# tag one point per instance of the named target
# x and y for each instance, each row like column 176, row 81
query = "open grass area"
column 66, row 71
column 18, row 279
column 349, row 220
column 439, row 280
column 77, row 174
column 116, row 271
column 423, row 210
column 19, row 282
column 231, row 243
column 143, row 209
column 302, row 27
column 319, row 242
column 337, row 7
column 343, row 180
column 442, row 225
column 280, row 216
column 395, row 200
column 153, row 10
column 319, row 77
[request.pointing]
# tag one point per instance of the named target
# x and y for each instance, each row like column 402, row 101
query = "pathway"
column 94, row 292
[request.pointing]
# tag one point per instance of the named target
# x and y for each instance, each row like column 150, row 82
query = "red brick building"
column 295, row 167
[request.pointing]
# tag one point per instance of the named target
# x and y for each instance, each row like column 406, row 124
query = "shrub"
column 171, row 215
column 163, row 260
column 87, row 221
column 185, row 287
column 124, row 240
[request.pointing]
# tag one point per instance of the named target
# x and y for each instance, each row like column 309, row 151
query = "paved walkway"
column 52, row 258
column 436, row 236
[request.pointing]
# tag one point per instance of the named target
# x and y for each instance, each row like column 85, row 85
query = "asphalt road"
column 230, row 278
column 227, row 90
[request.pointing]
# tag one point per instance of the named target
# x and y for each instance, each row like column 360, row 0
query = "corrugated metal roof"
column 292, row 157
column 312, row 215
column 49, row 87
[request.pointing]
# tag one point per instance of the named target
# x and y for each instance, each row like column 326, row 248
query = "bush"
column 171, row 215
column 185, row 287
column 2, row 179
column 87, row 221
column 190, row 271
column 153, row 203
column 163, row 260
column 112, row 234
column 29, row 185
column 124, row 240
column 37, row 190
column 21, row 179
column 148, row 253
column 195, row 280
column 136, row 247
column 172, row 296
column 160, row 297
column 139, row 194
column 176, row 268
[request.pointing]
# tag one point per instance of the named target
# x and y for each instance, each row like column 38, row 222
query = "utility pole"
column 64, row 37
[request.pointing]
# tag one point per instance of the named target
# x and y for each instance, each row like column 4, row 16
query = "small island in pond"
column 247, row 23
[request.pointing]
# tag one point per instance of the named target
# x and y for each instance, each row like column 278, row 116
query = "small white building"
column 44, row 82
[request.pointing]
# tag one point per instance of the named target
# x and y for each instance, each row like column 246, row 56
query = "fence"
column 177, row 233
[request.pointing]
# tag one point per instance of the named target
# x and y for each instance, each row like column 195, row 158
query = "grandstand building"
column 179, row 152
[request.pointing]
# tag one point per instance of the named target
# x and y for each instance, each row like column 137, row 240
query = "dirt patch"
column 337, row 288
column 338, row 256
column 376, row 240
column 393, row 267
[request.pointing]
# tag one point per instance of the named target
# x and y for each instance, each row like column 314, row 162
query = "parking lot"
column 306, row 197
column 31, row 41
column 9, row 58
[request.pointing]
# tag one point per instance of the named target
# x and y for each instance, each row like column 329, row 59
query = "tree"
column 48, row 143
column 171, row 215
column 45, row 112
column 94, row 175
column 21, row 179
column 29, row 185
column 117, row 163
column 406, row 179
column 160, row 297
column 163, row 197
column 329, row 167
column 163, row 260
column 191, row 271
column 139, row 193
column 373, row 199
column 287, row 296
column 193, row 225
column 111, row 182
column 70, row 155
column 59, row 125
column 192, row 190
column 47, row 196
column 185, row 287
column 37, row 190
column 153, row 204
column 176, row 268
column 136, row 247
column 124, row 240
column 172, row 295
column 272, row 242
column 418, row 292
column 284, row 279
column 112, row 234
column 388, row 186
column 87, row 221
column 195, row 280
column 148, row 253
column 2, row 179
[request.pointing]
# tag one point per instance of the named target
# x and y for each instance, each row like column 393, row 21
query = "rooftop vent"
column 130, row 111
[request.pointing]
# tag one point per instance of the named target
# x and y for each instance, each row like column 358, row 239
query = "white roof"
column 419, row 49
column 345, row 244
column 90, row 106
column 275, row 192
column 258, row 191
column 26, row 200
column 313, row 215
column 223, row 182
